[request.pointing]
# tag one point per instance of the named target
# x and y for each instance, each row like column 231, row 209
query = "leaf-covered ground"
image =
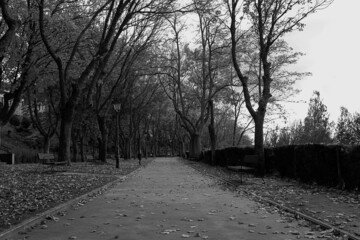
column 335, row 207
column 28, row 189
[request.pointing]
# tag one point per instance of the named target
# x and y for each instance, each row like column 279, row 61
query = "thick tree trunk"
column 259, row 143
column 65, row 139
column 212, row 143
column 67, row 118
column 47, row 143
column 195, row 145
column 127, row 151
column 12, row 25
column 104, row 138
column 182, row 149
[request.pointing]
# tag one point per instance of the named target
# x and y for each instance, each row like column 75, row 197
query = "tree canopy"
column 78, row 58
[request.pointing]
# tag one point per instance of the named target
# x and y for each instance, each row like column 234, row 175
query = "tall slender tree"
column 344, row 130
column 317, row 126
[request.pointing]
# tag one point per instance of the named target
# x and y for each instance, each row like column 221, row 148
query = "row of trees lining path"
column 75, row 59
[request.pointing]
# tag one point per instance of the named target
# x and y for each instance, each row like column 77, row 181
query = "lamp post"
column 117, row 107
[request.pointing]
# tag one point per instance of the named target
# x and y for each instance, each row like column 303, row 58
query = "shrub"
column 25, row 122
column 350, row 167
column 234, row 155
column 220, row 157
column 318, row 163
column 307, row 163
column 15, row 120
column 284, row 160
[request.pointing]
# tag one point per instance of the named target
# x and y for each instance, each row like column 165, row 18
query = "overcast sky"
column 331, row 42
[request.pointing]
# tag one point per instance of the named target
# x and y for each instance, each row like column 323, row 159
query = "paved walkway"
column 169, row 200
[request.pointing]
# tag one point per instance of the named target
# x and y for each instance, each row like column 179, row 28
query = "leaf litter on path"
column 336, row 207
column 28, row 189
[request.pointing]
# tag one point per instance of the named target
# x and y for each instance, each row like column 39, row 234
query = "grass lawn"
column 29, row 189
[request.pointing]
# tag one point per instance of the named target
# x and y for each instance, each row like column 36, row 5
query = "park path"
column 169, row 200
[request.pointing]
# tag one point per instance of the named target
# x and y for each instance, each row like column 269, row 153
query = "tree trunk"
column 212, row 143
column 12, row 25
column 117, row 148
column 259, row 143
column 172, row 149
column 74, row 147
column 195, row 145
column 127, row 152
column 65, row 139
column 182, row 149
column 145, row 148
column 156, row 147
column 104, row 138
column 82, row 152
column 212, row 133
column 67, row 116
column 153, row 150
column 341, row 182
column 131, row 148
column 235, row 126
column 47, row 143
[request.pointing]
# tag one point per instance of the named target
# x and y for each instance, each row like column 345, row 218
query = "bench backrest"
column 250, row 159
column 46, row 156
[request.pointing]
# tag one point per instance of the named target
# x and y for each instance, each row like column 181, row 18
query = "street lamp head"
column 117, row 107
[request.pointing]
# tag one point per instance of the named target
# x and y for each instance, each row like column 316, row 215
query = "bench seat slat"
column 252, row 159
column 244, row 164
column 90, row 158
column 239, row 168
column 44, row 156
column 49, row 159
column 54, row 163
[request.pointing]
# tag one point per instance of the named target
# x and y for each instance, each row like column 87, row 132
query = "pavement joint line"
column 293, row 211
column 33, row 221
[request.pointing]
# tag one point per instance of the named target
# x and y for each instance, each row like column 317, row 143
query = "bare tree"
column 192, row 79
column 14, row 85
column 270, row 21
column 111, row 20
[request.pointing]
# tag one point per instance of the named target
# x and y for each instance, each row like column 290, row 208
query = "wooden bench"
column 49, row 159
column 90, row 158
column 247, row 164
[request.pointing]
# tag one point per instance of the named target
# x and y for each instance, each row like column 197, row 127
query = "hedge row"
column 330, row 165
